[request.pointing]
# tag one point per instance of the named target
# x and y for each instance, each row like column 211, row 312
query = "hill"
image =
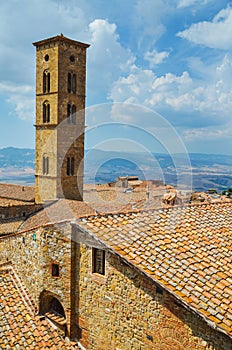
column 207, row 170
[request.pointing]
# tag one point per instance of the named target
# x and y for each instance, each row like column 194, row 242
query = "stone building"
column 148, row 278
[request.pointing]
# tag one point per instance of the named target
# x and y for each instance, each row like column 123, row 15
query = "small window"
column 46, row 58
column 55, row 270
column 72, row 58
column 70, row 166
column 45, row 165
column 72, row 83
column 46, row 82
column 71, row 114
column 46, row 112
column 159, row 290
column 98, row 262
column 69, row 82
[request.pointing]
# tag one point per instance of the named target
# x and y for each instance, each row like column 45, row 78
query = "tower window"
column 45, row 165
column 74, row 109
column 74, row 79
column 55, row 270
column 46, row 82
column 72, row 83
column 69, row 82
column 71, row 114
column 70, row 166
column 46, row 58
column 72, row 58
column 46, row 112
column 98, row 261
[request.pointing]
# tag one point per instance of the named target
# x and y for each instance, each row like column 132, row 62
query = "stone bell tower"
column 60, row 118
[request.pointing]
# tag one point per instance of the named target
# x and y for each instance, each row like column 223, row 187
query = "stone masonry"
column 58, row 138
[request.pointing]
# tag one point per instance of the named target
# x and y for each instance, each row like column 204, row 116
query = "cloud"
column 185, row 101
column 194, row 134
column 215, row 34
column 107, row 59
column 21, row 97
column 188, row 3
column 154, row 57
column 148, row 24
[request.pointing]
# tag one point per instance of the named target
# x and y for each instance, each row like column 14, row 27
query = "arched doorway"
column 51, row 307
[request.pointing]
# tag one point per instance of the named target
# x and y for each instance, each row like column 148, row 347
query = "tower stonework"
column 60, row 118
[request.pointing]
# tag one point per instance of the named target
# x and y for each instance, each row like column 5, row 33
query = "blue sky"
column 171, row 56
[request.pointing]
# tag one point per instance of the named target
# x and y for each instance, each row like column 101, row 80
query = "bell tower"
column 60, row 118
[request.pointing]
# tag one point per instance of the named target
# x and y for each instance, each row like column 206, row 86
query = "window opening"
column 70, row 166
column 72, row 58
column 46, row 82
column 98, row 265
column 69, row 82
column 55, row 270
column 56, row 307
column 72, row 82
column 46, row 112
column 45, row 165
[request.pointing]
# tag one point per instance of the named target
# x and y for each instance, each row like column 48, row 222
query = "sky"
column 170, row 58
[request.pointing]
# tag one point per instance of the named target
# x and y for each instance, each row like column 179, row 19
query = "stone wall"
column 18, row 211
column 125, row 310
column 60, row 56
column 32, row 254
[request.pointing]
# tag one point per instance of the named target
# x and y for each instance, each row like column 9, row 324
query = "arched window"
column 46, row 82
column 45, row 165
column 46, row 112
column 72, row 82
column 69, row 82
column 71, row 114
column 70, row 166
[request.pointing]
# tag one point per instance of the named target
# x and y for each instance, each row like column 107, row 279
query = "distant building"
column 141, row 277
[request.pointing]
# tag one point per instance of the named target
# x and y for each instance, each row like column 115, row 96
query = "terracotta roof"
column 10, row 226
column 19, row 328
column 17, row 192
column 187, row 250
column 6, row 202
column 61, row 210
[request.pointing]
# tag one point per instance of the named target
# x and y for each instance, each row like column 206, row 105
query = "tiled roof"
column 7, row 202
column 187, row 250
column 19, row 328
column 61, row 210
column 9, row 226
column 17, row 192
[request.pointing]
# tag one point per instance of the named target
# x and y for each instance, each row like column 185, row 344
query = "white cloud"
column 107, row 59
column 21, row 97
column 149, row 21
column 215, row 34
column 188, row 3
column 197, row 102
column 154, row 57
column 194, row 134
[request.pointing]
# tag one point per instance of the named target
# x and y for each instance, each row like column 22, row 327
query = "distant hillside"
column 17, row 165
column 208, row 171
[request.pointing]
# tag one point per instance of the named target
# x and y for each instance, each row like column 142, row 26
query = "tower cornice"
column 60, row 38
